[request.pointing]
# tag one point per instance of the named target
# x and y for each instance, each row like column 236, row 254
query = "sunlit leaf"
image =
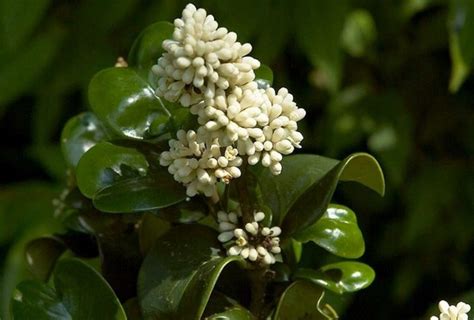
column 336, row 231
column 81, row 133
column 105, row 164
column 125, row 102
column 340, row 277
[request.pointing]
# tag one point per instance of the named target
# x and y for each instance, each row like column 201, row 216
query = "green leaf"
column 264, row 76
column 336, row 231
column 18, row 19
column 461, row 33
column 221, row 307
column 80, row 293
column 125, row 102
column 152, row 192
column 105, row 164
column 147, row 48
column 233, row 313
column 301, row 194
column 42, row 254
column 303, row 300
column 319, row 28
column 340, row 277
column 81, row 133
column 178, row 275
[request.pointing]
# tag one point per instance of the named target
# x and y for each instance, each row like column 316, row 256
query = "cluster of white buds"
column 200, row 164
column 206, row 69
column 202, row 58
column 457, row 312
column 253, row 242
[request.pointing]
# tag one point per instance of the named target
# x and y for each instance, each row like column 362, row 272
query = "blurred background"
column 388, row 77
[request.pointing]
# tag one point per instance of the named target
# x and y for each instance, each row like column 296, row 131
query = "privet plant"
column 183, row 199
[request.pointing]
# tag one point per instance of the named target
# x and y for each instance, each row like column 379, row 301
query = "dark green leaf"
column 152, row 192
column 303, row 300
column 461, row 33
column 81, row 133
column 147, row 48
column 340, row 277
column 233, row 313
column 80, row 293
column 125, row 102
column 336, row 231
column 359, row 167
column 264, row 76
column 300, row 195
column 221, row 307
column 105, row 164
column 180, row 272
column 42, row 254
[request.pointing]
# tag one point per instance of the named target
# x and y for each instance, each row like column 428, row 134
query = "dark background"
column 387, row 77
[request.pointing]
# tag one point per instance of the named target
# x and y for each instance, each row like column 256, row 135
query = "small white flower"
column 201, row 58
column 280, row 133
column 253, row 242
column 200, row 164
column 458, row 312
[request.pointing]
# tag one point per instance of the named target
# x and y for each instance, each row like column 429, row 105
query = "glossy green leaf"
column 80, row 293
column 221, row 307
column 180, row 272
column 336, row 231
column 125, row 102
column 264, row 76
column 147, row 48
column 461, row 33
column 81, row 133
column 340, row 277
column 152, row 192
column 300, row 195
column 233, row 313
column 106, row 164
column 319, row 27
column 303, row 300
column 42, row 254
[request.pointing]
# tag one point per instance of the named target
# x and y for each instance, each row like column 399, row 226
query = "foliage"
column 382, row 88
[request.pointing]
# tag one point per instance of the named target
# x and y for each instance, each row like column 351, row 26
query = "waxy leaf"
column 42, row 254
column 80, row 293
column 105, row 164
column 221, row 307
column 300, row 195
column 125, row 102
column 336, row 231
column 178, row 275
column 264, row 76
column 302, row 300
column 341, row 277
column 148, row 47
column 81, row 133
column 152, row 192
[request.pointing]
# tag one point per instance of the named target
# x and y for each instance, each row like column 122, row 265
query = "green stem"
column 244, row 197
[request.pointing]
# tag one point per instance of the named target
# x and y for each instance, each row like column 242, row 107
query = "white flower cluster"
column 206, row 69
column 253, row 242
column 457, row 312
